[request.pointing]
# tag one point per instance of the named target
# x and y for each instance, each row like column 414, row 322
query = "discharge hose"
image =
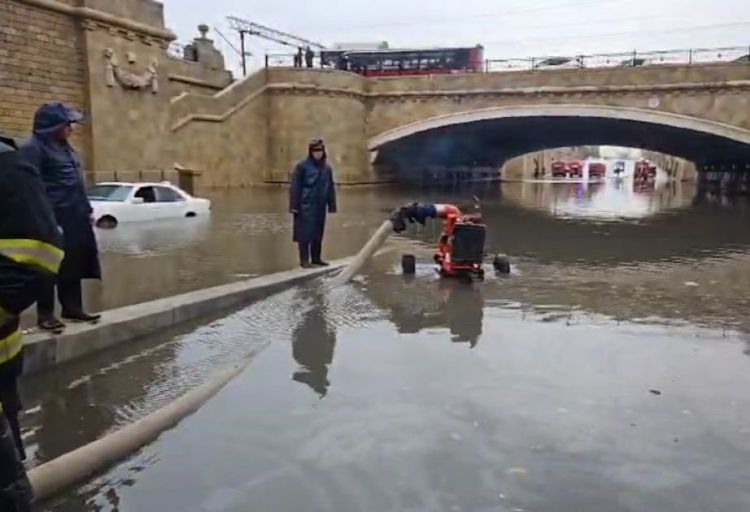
column 80, row 464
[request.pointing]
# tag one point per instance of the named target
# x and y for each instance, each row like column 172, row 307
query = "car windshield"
column 109, row 193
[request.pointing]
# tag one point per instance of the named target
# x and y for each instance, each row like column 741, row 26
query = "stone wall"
column 99, row 56
column 42, row 59
column 257, row 130
column 128, row 126
column 323, row 104
column 191, row 77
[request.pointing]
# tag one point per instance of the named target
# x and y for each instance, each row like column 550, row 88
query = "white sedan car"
column 117, row 202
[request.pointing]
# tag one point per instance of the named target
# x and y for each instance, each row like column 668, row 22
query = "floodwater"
column 608, row 372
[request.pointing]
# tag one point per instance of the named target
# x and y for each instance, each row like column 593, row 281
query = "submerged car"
column 116, row 202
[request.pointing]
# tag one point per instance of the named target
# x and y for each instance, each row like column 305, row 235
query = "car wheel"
column 106, row 222
column 190, row 214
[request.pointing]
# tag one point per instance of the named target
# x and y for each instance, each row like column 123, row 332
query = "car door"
column 171, row 202
column 146, row 206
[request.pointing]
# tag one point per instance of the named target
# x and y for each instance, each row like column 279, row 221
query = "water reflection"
column 613, row 200
column 313, row 341
column 422, row 303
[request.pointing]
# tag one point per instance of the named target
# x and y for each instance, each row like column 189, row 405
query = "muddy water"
column 609, row 372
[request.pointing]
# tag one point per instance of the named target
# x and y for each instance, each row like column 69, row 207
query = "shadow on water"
column 313, row 341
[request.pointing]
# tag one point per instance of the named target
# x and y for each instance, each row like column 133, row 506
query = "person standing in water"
column 312, row 196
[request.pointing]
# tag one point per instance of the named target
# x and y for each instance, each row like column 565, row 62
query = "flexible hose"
column 77, row 466
column 364, row 254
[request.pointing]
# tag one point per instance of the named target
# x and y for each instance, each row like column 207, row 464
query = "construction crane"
column 250, row 28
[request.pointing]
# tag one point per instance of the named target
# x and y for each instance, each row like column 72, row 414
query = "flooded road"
column 608, row 372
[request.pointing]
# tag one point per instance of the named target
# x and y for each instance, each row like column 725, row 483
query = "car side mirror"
column 137, row 200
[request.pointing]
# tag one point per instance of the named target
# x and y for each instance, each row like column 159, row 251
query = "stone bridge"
column 399, row 124
column 154, row 115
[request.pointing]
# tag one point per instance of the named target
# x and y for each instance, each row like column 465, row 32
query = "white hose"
column 77, row 466
column 364, row 254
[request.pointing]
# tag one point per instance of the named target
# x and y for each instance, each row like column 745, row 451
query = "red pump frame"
column 444, row 255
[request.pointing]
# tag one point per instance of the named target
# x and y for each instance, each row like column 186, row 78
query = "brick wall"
column 41, row 60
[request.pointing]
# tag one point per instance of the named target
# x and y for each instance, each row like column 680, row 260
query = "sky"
column 506, row 28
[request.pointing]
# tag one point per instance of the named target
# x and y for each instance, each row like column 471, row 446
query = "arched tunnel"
column 491, row 142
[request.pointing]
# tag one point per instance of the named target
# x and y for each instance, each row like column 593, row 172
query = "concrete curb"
column 43, row 350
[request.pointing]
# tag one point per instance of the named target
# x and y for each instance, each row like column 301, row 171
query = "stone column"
column 125, row 47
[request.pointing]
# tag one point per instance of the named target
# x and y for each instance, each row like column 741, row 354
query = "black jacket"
column 30, row 248
column 30, row 241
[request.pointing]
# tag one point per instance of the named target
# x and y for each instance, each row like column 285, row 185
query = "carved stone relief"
column 127, row 79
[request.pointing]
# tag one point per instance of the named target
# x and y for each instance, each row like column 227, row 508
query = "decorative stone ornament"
column 128, row 80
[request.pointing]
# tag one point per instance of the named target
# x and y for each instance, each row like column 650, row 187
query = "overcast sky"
column 506, row 28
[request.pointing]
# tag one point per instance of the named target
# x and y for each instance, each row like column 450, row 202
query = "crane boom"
column 256, row 29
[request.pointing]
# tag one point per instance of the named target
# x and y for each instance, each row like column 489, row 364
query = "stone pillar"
column 125, row 47
column 203, row 51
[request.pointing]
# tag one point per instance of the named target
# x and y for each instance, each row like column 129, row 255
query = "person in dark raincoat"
column 30, row 250
column 311, row 196
column 59, row 166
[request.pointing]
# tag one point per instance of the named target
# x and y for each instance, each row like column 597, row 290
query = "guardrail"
column 690, row 57
column 289, row 60
column 176, row 50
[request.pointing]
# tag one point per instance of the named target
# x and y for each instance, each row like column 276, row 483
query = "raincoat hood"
column 52, row 116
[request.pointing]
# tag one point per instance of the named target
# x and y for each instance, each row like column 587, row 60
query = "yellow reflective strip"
column 32, row 252
column 30, row 257
column 54, row 252
column 10, row 347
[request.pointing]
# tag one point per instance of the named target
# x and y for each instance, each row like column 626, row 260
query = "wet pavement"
column 608, row 372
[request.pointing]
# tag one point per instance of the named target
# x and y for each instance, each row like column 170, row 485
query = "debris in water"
column 691, row 283
column 655, row 392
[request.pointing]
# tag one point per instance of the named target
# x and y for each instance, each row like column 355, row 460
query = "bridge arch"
column 557, row 125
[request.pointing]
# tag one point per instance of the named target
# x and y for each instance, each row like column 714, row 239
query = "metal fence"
column 688, row 57
column 176, row 50
column 695, row 56
column 288, row 60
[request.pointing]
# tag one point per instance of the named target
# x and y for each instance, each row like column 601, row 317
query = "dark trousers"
column 68, row 292
column 310, row 251
column 10, row 398
column 15, row 489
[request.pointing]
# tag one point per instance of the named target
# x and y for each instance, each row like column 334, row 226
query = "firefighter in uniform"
column 30, row 251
